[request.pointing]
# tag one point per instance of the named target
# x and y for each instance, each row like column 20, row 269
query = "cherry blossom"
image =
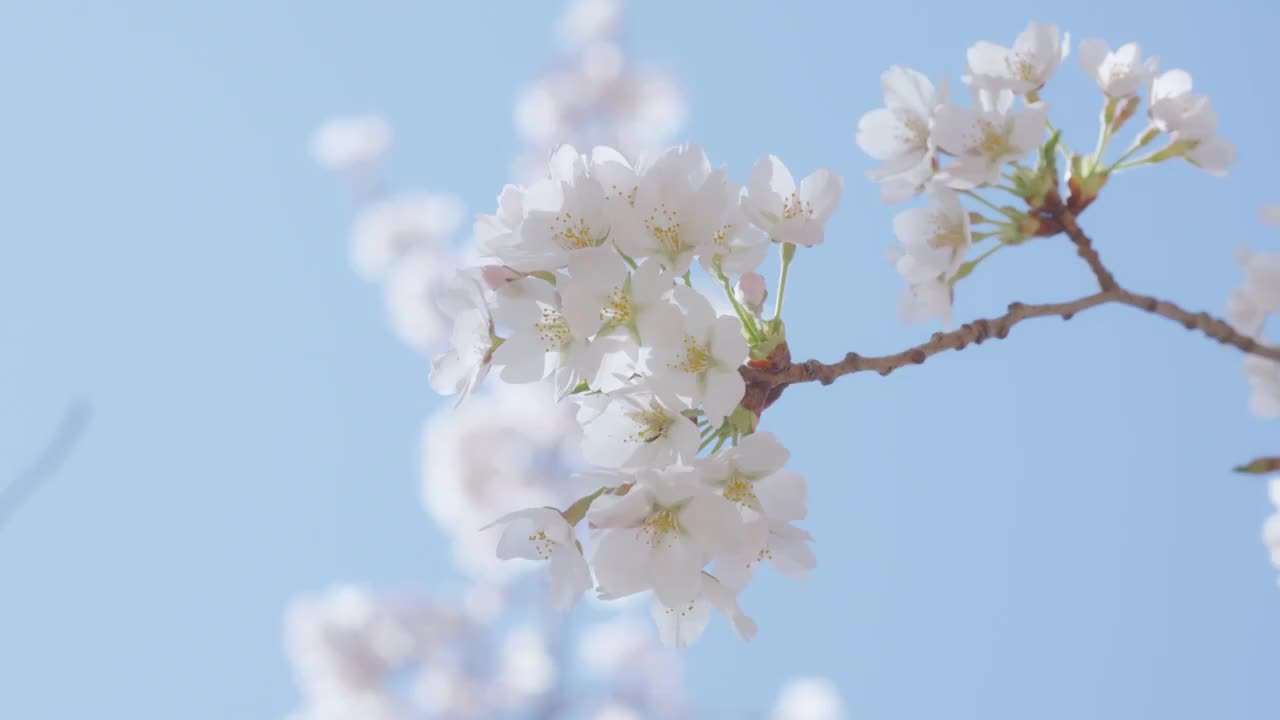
column 986, row 138
column 926, row 300
column 679, row 208
column 639, row 428
column 682, row 624
column 1191, row 123
column 934, row 239
column 498, row 234
column 603, row 296
column 544, row 534
column 564, row 215
column 791, row 213
column 460, row 369
column 1119, row 73
column 1023, row 68
column 540, row 341
column 660, row 535
column 900, row 134
column 701, row 364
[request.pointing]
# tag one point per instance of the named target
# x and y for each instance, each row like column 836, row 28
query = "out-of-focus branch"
column 46, row 464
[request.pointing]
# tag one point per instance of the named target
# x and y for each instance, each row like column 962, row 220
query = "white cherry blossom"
column 736, row 246
column 700, row 364
column 900, row 134
column 750, row 476
column 540, row 341
column 460, row 369
column 1119, row 73
column 498, row 235
column 769, row 498
column 1270, row 213
column 678, row 208
column 603, row 296
column 777, row 542
column 1174, row 109
column 682, row 624
column 985, row 138
column 660, row 535
column 544, row 534
column 924, row 301
column 564, row 215
column 1190, row 121
column 788, row 212
column 1023, row 68
column 639, row 428
column 934, row 239
column 1214, row 155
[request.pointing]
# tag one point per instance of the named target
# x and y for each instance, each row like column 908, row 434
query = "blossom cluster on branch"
column 594, row 291
column 589, row 284
column 485, row 651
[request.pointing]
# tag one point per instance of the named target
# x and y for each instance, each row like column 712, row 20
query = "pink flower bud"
column 498, row 276
column 751, row 291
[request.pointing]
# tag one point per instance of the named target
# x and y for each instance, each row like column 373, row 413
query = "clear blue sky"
column 1041, row 527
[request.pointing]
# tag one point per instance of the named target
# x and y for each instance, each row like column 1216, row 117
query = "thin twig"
column 46, row 464
column 765, row 384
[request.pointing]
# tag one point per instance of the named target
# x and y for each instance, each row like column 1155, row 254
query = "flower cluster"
column 1271, row 529
column 949, row 153
column 1248, row 309
column 592, row 289
column 360, row 655
column 592, row 95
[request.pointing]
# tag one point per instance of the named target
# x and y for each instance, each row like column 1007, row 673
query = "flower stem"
column 719, row 434
column 1007, row 213
column 788, row 252
column 743, row 316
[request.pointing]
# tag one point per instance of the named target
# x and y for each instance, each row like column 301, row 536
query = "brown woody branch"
column 766, row 381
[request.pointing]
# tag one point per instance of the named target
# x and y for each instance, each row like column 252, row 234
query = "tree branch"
column 46, row 463
column 766, row 381
column 1084, row 246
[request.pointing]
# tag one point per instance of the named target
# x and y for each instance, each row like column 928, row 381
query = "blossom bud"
column 751, row 291
column 497, row 277
column 1126, row 111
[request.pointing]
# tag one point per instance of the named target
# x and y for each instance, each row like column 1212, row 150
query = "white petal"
column 621, row 562
column 782, row 495
column 570, row 576
column 760, row 453
column 676, row 568
column 713, row 523
column 681, row 625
